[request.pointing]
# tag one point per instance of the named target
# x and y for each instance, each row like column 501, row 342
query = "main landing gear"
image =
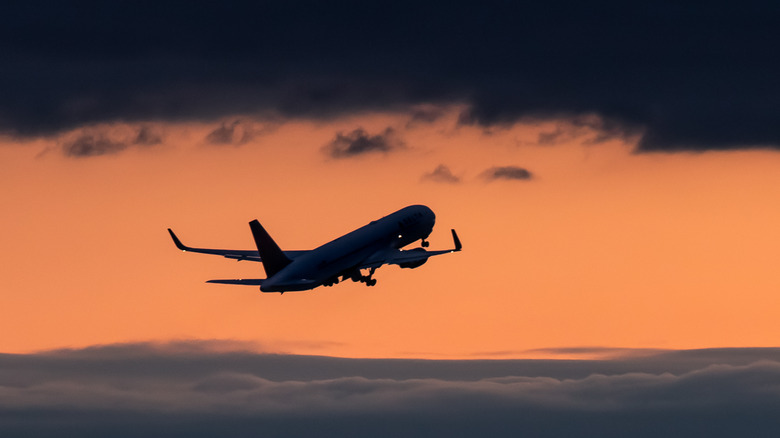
column 425, row 243
column 357, row 276
column 331, row 282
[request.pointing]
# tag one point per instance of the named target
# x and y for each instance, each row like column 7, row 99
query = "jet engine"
column 415, row 264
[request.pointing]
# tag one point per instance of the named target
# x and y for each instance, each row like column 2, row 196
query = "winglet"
column 176, row 241
column 273, row 257
column 455, row 239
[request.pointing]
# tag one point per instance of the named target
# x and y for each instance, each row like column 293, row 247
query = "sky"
column 610, row 167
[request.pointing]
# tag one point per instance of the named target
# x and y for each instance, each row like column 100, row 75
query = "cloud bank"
column 688, row 76
column 174, row 391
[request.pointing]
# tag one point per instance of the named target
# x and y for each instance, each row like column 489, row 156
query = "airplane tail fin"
column 272, row 256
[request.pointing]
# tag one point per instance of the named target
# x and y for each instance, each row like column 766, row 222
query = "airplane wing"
column 244, row 282
column 410, row 258
column 236, row 254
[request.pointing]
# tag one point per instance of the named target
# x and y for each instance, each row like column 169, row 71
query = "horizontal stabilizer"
column 243, row 282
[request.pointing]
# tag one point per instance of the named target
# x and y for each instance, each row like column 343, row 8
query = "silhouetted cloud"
column 359, row 142
column 235, row 133
column 90, row 145
column 506, row 172
column 93, row 142
column 191, row 390
column 688, row 76
column 551, row 137
column 424, row 114
column 147, row 136
column 443, row 174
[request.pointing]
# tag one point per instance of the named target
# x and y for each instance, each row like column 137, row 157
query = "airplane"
column 366, row 248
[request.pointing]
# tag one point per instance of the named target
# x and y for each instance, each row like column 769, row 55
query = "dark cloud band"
column 689, row 76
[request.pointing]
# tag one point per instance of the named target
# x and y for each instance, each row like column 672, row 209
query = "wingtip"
column 176, row 240
column 455, row 239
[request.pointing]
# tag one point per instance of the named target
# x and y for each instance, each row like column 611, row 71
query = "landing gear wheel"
column 371, row 282
column 425, row 243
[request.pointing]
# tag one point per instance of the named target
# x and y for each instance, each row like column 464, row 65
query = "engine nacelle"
column 412, row 265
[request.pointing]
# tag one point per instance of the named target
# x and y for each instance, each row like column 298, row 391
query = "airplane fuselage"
column 340, row 256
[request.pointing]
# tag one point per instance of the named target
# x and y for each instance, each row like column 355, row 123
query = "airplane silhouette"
column 366, row 248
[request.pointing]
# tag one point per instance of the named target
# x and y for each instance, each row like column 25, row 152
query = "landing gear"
column 425, row 243
column 358, row 277
column 368, row 280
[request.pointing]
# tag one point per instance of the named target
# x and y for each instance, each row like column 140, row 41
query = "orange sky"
column 601, row 248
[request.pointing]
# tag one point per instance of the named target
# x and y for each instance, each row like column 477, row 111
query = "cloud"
column 424, row 114
column 235, row 133
column 190, row 389
column 687, row 77
column 108, row 140
column 506, row 173
column 583, row 128
column 442, row 174
column 91, row 145
column 147, row 136
column 359, row 142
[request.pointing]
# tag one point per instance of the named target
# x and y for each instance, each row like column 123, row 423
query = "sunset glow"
column 600, row 247
column 611, row 169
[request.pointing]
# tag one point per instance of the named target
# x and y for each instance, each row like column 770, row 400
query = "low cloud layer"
column 689, row 77
column 197, row 392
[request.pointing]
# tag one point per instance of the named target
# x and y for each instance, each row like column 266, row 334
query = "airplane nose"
column 429, row 215
column 431, row 221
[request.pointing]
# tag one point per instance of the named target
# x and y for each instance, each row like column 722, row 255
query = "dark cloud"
column 443, row 174
column 424, row 114
column 90, row 145
column 551, row 137
column 147, row 136
column 222, row 135
column 506, row 172
column 235, row 133
column 191, row 390
column 106, row 141
column 600, row 352
column 690, row 76
column 587, row 129
column 359, row 142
